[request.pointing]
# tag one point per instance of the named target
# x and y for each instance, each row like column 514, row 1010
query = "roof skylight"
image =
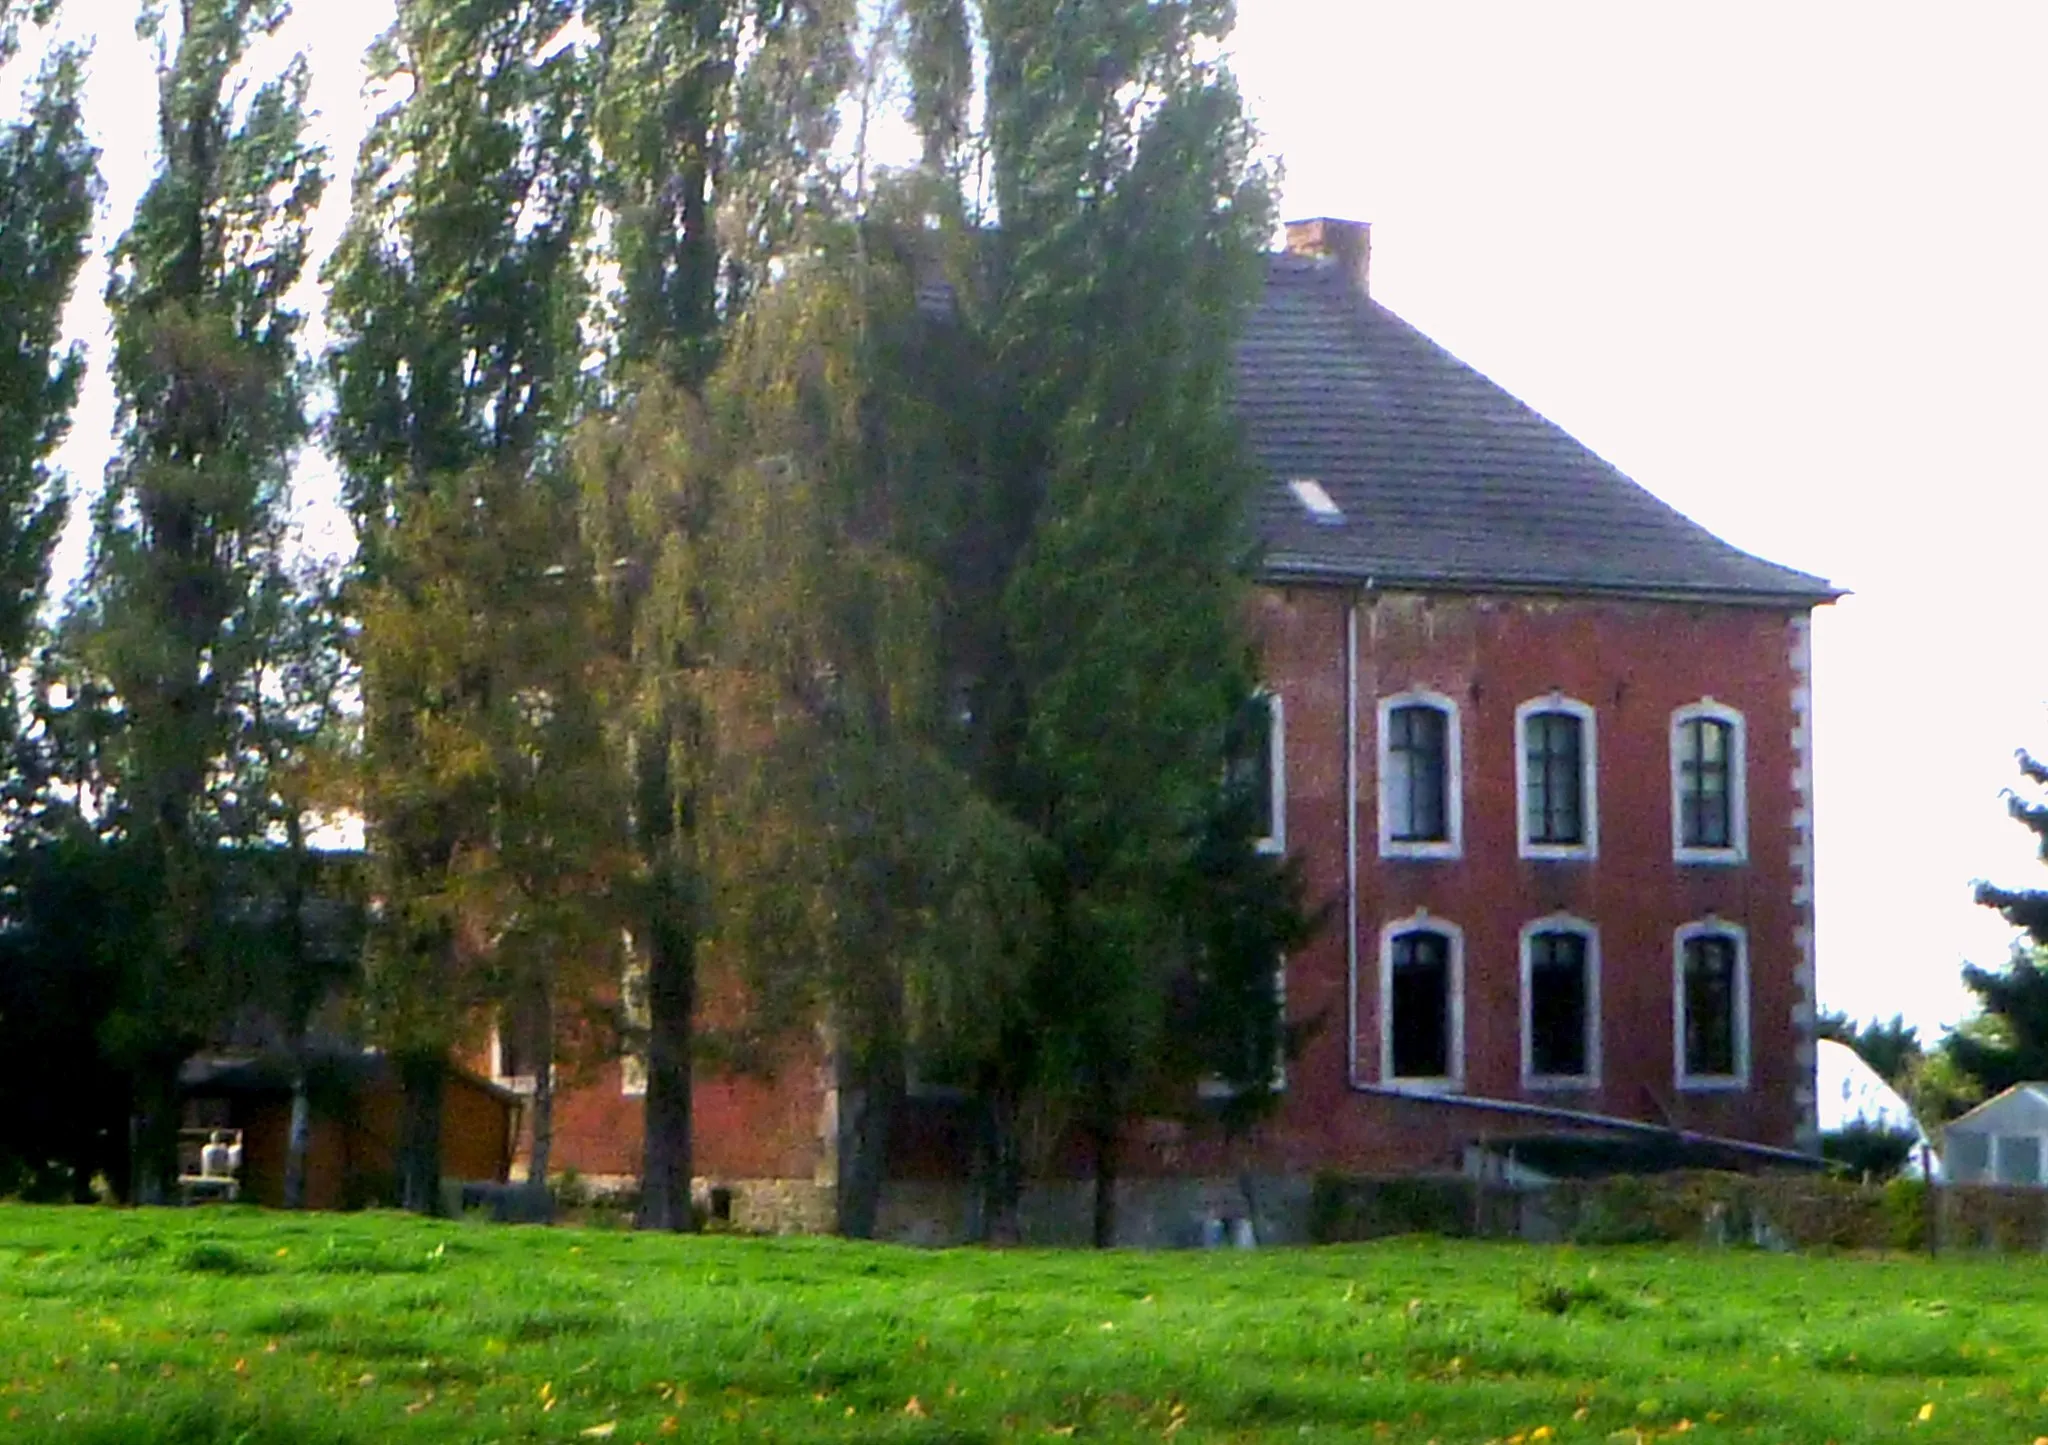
column 1316, row 502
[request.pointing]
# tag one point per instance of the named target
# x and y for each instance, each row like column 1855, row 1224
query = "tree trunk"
column 1106, row 1157
column 542, row 1158
column 666, row 1160
column 154, row 1132
column 868, row 1100
column 1001, row 1167
column 298, row 1137
column 422, row 1077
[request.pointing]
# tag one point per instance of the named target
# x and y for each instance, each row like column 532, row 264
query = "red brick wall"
column 746, row 1127
column 1634, row 663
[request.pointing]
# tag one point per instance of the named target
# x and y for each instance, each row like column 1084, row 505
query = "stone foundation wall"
column 1151, row 1213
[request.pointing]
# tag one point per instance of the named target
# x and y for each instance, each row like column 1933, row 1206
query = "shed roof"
column 2022, row 1109
column 1443, row 478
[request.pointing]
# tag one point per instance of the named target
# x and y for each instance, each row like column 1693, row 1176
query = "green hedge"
column 1796, row 1211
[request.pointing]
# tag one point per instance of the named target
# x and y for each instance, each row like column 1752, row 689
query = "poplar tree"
column 666, row 76
column 48, row 187
column 208, row 378
column 457, row 305
column 716, row 120
column 1111, row 582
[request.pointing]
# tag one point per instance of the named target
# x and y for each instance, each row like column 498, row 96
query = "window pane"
column 522, row 1036
column 1710, row 1003
column 1417, row 774
column 1705, row 801
column 1420, row 1021
column 1559, row 1004
column 1968, row 1157
column 2019, row 1159
column 1555, row 778
column 1251, row 765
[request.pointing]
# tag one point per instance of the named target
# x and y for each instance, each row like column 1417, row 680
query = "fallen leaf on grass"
column 599, row 1432
column 914, row 1408
column 1926, row 1413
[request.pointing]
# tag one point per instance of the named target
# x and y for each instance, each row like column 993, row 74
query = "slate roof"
column 1445, row 480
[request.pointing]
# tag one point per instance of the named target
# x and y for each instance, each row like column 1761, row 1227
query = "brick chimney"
column 1348, row 243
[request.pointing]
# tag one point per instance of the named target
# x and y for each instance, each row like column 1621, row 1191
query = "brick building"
column 1543, row 744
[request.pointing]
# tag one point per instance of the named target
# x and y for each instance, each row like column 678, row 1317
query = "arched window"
column 1709, row 784
column 1710, row 1006
column 1420, row 774
column 1560, row 1003
column 1556, row 775
column 1422, row 1003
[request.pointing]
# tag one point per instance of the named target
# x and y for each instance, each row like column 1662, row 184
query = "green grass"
column 219, row 1325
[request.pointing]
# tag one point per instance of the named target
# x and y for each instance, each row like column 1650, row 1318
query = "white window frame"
column 635, row 1005
column 1453, row 844
column 1589, row 778
column 1561, row 923
column 1708, row 1083
column 1276, row 769
column 1422, row 921
column 1737, row 850
column 517, row 1083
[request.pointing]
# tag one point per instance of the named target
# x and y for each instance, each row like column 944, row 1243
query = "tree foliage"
column 1112, row 653
column 211, row 411
column 48, row 188
column 458, row 308
column 1891, row 1048
column 834, row 579
column 2007, row 1043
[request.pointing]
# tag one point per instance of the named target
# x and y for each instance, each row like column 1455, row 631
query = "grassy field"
column 212, row 1326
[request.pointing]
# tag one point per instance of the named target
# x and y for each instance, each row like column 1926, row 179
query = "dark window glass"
column 1421, row 1004
column 1556, row 802
column 1251, row 764
column 1560, row 999
column 1418, row 772
column 1710, row 1004
column 522, row 1037
column 2019, row 1159
column 1706, row 801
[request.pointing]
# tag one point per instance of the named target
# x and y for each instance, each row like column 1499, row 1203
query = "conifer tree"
column 2008, row 1043
column 208, row 377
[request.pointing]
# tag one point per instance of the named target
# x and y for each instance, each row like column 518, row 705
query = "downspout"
column 1351, row 834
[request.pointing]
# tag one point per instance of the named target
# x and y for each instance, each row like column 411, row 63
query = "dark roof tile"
column 1443, row 477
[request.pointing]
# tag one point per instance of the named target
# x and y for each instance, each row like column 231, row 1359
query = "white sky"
column 1785, row 264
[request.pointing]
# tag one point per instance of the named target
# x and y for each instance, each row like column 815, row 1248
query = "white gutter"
column 1581, row 1116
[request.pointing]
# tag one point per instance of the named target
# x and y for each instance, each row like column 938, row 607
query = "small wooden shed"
column 2004, row 1140
column 351, row 1159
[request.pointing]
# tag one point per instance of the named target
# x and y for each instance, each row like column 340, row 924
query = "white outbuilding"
column 2004, row 1140
column 1848, row 1091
